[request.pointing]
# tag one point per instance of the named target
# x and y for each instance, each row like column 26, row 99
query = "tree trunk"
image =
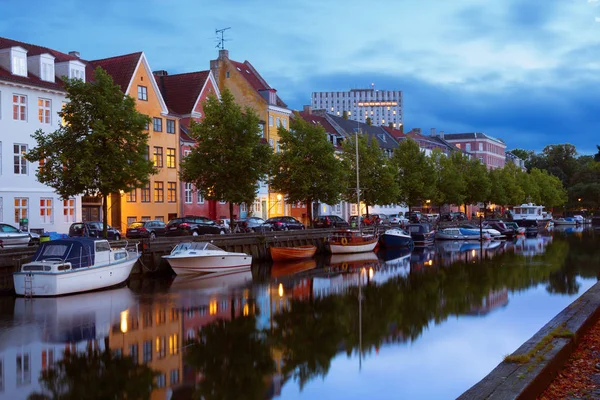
column 231, row 216
column 309, row 210
column 104, row 215
column 366, row 209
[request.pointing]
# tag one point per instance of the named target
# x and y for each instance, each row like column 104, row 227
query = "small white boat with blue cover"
column 74, row 265
column 461, row 234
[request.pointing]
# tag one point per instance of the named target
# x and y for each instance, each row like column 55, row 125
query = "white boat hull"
column 185, row 264
column 74, row 281
column 352, row 247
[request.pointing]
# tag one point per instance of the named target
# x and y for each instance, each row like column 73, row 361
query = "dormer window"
column 19, row 65
column 48, row 72
column 77, row 73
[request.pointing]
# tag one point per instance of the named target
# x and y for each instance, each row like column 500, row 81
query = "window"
column 174, row 376
column 480, row 146
column 278, row 122
column 76, row 74
column 48, row 72
column 133, row 352
column 46, row 216
column 147, row 351
column 161, row 381
column 20, row 163
column 243, row 208
column 147, row 218
column 160, row 218
column 227, row 74
column 157, row 124
column 142, row 93
column 63, row 121
column 19, row 66
column 257, row 205
column 187, row 193
column 159, row 192
column 23, row 369
column 261, row 128
column 468, row 147
column 270, row 120
column 170, row 158
column 1, row 209
column 171, row 192
column 161, row 347
column 44, row 110
column 158, row 157
column 19, row 107
column 199, row 197
column 170, row 126
column 146, row 193
column 132, row 196
column 69, row 210
column 284, row 122
column 21, row 208
column 130, row 220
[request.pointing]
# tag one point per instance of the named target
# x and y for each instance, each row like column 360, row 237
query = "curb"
column 546, row 353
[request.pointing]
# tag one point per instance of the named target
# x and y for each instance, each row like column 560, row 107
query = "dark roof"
column 181, row 91
column 120, row 68
column 318, row 120
column 470, row 135
column 33, row 50
column 255, row 79
column 384, row 139
column 183, row 134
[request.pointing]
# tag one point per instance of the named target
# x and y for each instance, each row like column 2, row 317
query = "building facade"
column 31, row 95
column 250, row 89
column 382, row 107
column 160, row 198
column 487, row 149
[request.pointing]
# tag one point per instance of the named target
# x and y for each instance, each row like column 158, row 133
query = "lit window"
column 69, row 210
column 44, row 110
column 132, row 196
column 170, row 158
column 158, row 157
column 146, row 193
column 21, row 208
column 159, row 192
column 171, row 192
column 46, row 214
column 19, row 107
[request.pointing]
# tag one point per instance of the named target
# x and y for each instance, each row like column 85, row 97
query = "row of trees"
column 101, row 149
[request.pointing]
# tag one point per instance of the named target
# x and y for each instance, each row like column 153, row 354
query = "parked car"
column 330, row 221
column 224, row 222
column 414, row 217
column 250, row 224
column 398, row 219
column 194, row 226
column 14, row 237
column 283, row 224
column 146, row 229
column 93, row 229
column 453, row 216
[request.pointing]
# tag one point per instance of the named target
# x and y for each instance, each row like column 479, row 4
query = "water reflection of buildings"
column 530, row 247
column 495, row 299
column 43, row 329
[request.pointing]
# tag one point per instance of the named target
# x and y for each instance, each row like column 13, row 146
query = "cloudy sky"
column 522, row 70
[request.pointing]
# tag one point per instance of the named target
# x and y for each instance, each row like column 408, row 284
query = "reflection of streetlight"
column 579, row 199
column 280, row 290
column 124, row 318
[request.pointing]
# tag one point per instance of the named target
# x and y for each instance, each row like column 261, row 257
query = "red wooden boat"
column 292, row 253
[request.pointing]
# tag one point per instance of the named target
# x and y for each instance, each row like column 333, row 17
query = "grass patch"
column 541, row 347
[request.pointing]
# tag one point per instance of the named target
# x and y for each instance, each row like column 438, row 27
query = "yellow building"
column 250, row 89
column 160, row 199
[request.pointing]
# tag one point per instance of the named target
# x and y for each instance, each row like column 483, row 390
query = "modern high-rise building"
column 383, row 107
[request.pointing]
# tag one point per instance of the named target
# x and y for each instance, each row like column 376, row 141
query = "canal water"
column 426, row 324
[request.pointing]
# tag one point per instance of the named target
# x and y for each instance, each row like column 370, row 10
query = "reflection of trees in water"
column 95, row 374
column 233, row 358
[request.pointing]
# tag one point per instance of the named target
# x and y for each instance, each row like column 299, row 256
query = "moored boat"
column 201, row 257
column 565, row 221
column 525, row 214
column 292, row 253
column 396, row 237
column 74, row 265
column 461, row 234
column 348, row 241
column 422, row 234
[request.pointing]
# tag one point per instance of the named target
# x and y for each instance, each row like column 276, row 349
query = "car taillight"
column 245, row 225
column 142, row 229
column 278, row 223
column 184, row 225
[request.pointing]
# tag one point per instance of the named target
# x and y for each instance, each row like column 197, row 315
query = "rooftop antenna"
column 221, row 40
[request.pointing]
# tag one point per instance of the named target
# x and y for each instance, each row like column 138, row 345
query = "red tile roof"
column 254, row 78
column 181, row 91
column 33, row 50
column 120, row 68
column 317, row 120
column 396, row 133
column 183, row 135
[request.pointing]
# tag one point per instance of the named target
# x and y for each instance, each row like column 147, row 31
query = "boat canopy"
column 196, row 246
column 77, row 251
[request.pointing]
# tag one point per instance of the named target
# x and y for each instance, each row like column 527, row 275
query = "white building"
column 383, row 107
column 31, row 95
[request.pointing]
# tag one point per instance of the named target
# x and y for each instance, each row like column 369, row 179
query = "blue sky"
column 526, row 71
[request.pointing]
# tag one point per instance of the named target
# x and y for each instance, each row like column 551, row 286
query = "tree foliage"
column 229, row 158
column 478, row 184
column 306, row 169
column 102, row 146
column 415, row 176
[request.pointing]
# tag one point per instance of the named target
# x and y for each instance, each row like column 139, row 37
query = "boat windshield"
column 195, row 246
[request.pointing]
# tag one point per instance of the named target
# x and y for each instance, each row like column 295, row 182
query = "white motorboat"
column 74, row 265
column 201, row 257
column 530, row 212
column 565, row 221
column 461, row 234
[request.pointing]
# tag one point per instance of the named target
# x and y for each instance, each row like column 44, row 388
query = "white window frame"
column 69, row 210
column 20, row 106
column 278, row 122
column 1, row 209
column 19, row 65
column 480, row 146
column 22, row 208
column 187, row 193
column 44, row 110
column 142, row 92
column 199, row 197
column 48, row 72
column 270, row 120
column 284, row 122
column 468, row 147
column 23, row 373
column 46, row 210
column 19, row 159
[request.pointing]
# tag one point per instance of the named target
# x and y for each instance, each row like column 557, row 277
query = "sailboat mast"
column 357, row 175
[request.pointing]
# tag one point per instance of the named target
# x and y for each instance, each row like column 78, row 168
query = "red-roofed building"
column 31, row 95
column 185, row 95
column 250, row 89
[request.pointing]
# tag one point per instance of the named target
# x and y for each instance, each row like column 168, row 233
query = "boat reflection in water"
column 529, row 247
column 465, row 251
column 290, row 268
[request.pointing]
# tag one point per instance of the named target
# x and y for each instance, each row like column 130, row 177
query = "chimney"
column 442, row 134
column 417, row 130
column 161, row 72
column 432, row 132
column 74, row 54
column 223, row 54
column 307, row 109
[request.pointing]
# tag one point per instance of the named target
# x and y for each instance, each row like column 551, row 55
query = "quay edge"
column 512, row 380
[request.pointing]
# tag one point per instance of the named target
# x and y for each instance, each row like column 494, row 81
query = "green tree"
column 101, row 148
column 306, row 169
column 415, row 176
column 551, row 191
column 597, row 155
column 529, row 187
column 376, row 174
column 497, row 194
column 525, row 155
column 452, row 183
column 514, row 193
column 368, row 121
column 478, row 183
column 229, row 159
column 561, row 161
